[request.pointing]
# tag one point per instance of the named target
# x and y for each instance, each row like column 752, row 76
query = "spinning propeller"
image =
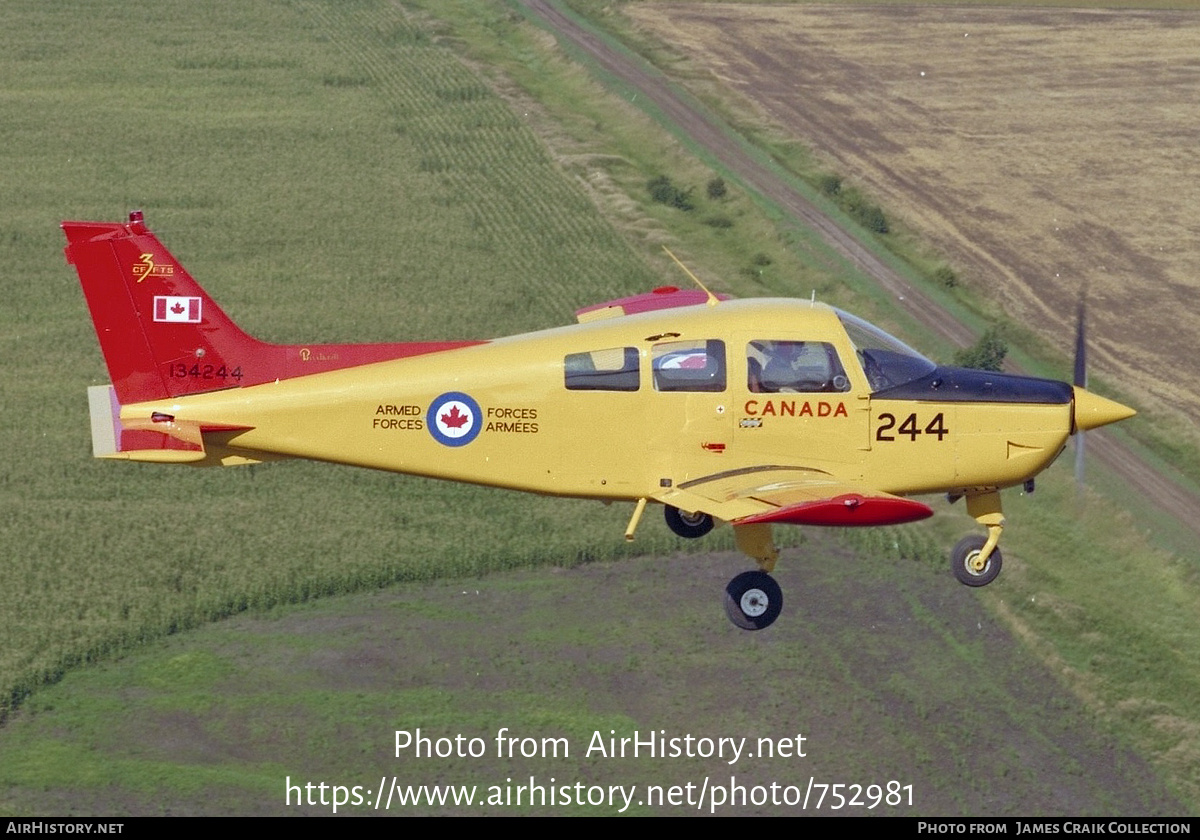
column 1080, row 380
column 1090, row 410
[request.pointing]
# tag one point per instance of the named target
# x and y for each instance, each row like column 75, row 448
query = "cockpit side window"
column 798, row 367
column 689, row 366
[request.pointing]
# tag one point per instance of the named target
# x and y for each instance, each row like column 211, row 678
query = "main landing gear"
column 688, row 525
column 976, row 560
column 753, row 600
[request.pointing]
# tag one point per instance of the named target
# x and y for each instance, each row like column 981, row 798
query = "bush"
column 719, row 222
column 830, row 185
column 716, row 188
column 862, row 211
column 987, row 354
column 945, row 276
column 853, row 203
column 871, row 217
column 664, row 192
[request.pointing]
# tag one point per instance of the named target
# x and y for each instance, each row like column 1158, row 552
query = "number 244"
column 887, row 422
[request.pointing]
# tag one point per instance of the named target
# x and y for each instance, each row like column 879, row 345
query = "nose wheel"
column 753, row 600
column 970, row 565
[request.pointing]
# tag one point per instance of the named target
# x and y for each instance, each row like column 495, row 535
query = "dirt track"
column 1160, row 491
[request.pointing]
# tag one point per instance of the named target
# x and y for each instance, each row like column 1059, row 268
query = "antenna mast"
column 713, row 300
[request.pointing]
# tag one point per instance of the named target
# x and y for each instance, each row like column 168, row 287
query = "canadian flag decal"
column 177, row 310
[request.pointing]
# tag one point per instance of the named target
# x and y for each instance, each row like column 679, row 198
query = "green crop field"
column 359, row 171
column 331, row 175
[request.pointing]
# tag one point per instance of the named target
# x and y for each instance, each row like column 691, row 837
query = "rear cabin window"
column 689, row 366
column 797, row 367
column 613, row 369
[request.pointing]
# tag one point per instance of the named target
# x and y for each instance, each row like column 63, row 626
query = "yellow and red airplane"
column 750, row 412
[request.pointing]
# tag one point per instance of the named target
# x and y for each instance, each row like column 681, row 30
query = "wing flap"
column 790, row 495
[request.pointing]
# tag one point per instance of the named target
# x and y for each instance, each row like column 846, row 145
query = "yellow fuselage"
column 532, row 433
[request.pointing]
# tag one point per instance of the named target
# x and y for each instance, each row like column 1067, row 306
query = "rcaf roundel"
column 454, row 419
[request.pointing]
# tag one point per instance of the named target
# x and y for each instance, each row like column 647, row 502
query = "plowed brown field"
column 1039, row 149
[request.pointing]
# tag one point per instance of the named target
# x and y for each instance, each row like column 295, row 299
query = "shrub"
column 665, row 192
column 716, row 188
column 987, row 354
column 852, row 201
column 871, row 217
column 945, row 276
column 830, row 185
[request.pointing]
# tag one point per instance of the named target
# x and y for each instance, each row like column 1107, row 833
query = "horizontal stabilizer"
column 164, row 441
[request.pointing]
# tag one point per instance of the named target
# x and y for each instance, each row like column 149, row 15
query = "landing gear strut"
column 976, row 560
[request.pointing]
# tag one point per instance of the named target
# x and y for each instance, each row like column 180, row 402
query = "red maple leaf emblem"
column 177, row 308
column 455, row 419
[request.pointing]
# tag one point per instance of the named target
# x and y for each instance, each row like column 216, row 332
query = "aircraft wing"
column 790, row 495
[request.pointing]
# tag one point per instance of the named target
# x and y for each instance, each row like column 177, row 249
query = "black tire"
column 689, row 525
column 753, row 600
column 967, row 550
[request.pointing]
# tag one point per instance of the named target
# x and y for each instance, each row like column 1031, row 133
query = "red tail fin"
column 163, row 336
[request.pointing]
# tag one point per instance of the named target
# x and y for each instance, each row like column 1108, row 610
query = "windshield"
column 886, row 361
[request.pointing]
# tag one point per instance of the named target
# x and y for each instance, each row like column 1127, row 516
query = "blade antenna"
column 713, row 300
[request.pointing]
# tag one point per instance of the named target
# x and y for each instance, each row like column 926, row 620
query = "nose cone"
column 1092, row 411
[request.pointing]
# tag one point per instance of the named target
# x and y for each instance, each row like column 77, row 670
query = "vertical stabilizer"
column 161, row 334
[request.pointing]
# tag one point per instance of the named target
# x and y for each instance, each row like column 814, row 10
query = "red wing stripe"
column 848, row 510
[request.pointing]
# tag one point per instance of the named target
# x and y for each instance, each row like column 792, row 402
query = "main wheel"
column 964, row 561
column 753, row 600
column 690, row 525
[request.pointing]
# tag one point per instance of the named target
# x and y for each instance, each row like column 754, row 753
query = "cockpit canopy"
column 886, row 361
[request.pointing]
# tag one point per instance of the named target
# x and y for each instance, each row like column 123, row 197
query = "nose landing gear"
column 976, row 560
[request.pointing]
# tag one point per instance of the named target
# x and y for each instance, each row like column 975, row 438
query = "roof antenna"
column 713, row 300
column 812, row 301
